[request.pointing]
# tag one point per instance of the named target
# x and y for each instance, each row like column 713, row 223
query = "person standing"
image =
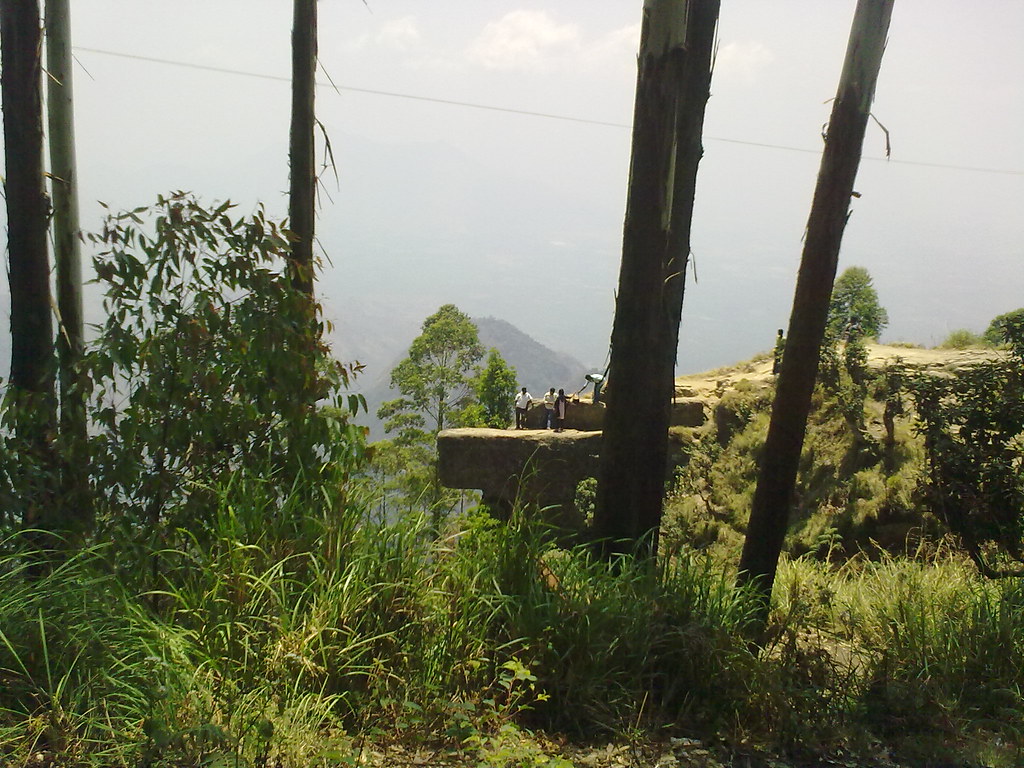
column 522, row 405
column 549, row 408
column 561, row 405
column 780, row 347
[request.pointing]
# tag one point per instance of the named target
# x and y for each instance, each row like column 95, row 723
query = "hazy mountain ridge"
column 537, row 367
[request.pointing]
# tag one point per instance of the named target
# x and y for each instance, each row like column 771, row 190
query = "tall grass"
column 921, row 653
column 288, row 633
column 81, row 663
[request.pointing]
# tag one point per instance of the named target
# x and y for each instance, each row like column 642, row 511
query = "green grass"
column 962, row 338
column 297, row 640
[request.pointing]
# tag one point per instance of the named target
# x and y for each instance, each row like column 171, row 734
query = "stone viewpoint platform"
column 531, row 467
column 537, row 466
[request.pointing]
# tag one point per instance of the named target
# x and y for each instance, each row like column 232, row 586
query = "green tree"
column 973, row 424
column 495, row 388
column 996, row 333
column 435, row 378
column 435, row 382
column 195, row 372
column 854, row 303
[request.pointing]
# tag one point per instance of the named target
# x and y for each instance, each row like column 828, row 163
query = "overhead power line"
column 513, row 111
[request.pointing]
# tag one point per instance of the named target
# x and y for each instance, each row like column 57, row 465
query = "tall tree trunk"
column 64, row 193
column 31, row 324
column 301, row 206
column 769, row 514
column 68, row 260
column 673, row 85
column 32, row 358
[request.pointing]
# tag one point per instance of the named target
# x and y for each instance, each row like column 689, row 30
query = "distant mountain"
column 537, row 367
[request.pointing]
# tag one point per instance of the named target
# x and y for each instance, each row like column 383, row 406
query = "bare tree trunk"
column 64, row 192
column 27, row 208
column 32, row 360
column 769, row 514
column 301, row 206
column 673, row 85
column 68, row 259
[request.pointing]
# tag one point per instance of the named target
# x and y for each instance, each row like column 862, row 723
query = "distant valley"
column 380, row 347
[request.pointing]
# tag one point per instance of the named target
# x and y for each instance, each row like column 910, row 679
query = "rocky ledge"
column 537, row 467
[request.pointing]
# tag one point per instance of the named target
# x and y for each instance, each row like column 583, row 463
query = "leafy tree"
column 843, row 372
column 996, row 333
column 403, row 472
column 495, row 388
column 435, row 378
column 855, row 304
column 196, row 368
column 435, row 383
column 973, row 425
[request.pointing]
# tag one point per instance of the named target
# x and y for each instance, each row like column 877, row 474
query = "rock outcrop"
column 527, row 467
column 536, row 466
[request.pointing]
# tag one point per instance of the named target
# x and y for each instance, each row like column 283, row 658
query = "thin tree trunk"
column 68, row 261
column 301, row 207
column 673, row 85
column 31, row 324
column 64, row 192
column 769, row 514
column 32, row 358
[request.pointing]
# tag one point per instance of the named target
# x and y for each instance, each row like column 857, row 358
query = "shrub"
column 962, row 338
column 209, row 361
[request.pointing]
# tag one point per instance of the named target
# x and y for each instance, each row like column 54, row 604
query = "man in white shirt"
column 522, row 403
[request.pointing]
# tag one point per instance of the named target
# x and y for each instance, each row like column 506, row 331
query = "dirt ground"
column 759, row 370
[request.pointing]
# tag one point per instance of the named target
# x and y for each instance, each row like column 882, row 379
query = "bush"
column 209, row 362
column 962, row 339
column 1002, row 327
column 973, row 425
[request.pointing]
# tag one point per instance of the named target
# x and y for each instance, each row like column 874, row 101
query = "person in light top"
column 522, row 404
column 549, row 408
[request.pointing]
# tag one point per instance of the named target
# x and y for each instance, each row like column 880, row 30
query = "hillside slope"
column 855, row 491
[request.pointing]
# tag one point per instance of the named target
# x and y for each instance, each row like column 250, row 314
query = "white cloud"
column 400, row 34
column 743, row 61
column 620, row 45
column 524, row 40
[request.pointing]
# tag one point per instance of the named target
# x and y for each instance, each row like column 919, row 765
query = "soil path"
column 711, row 384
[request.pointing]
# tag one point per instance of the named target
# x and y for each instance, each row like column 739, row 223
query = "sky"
column 482, row 154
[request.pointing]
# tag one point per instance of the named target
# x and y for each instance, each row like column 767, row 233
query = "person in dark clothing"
column 561, row 405
column 780, row 346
